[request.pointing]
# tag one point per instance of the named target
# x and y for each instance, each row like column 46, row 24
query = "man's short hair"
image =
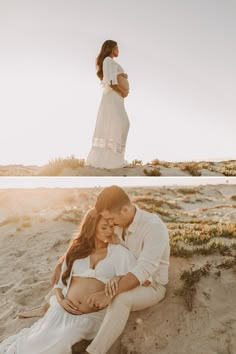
column 111, row 198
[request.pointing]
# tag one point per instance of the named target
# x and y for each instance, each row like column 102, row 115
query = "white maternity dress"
column 58, row 330
column 112, row 126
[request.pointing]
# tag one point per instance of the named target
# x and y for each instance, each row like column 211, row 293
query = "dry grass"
column 26, row 224
column 187, row 190
column 201, row 237
column 185, row 166
column 152, row 172
column 154, row 202
column 227, row 168
column 136, row 163
column 73, row 215
column 157, row 162
column 229, row 262
column 190, row 278
column 191, row 167
column 15, row 219
column 57, row 165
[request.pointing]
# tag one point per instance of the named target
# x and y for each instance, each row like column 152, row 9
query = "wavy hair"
column 105, row 51
column 83, row 242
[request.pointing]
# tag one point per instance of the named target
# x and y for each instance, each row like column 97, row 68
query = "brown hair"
column 105, row 51
column 111, row 198
column 83, row 243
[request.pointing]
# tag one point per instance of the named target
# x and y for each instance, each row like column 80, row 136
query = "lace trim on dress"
column 108, row 144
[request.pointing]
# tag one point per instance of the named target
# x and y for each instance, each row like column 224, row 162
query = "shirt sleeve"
column 155, row 243
column 124, row 261
column 109, row 69
column 60, row 284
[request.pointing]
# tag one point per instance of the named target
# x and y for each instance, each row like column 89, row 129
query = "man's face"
column 115, row 218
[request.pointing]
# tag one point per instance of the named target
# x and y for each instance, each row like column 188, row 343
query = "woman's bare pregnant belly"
column 123, row 82
column 80, row 289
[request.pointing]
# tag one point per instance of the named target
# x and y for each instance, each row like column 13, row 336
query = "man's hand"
column 111, row 287
column 56, row 274
column 69, row 307
column 146, row 283
column 98, row 300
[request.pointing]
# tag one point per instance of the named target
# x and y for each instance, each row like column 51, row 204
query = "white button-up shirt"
column 148, row 239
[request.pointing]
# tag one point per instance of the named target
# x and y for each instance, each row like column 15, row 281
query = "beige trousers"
column 118, row 313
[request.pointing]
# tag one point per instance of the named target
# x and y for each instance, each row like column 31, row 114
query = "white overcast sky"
column 180, row 56
column 90, row 182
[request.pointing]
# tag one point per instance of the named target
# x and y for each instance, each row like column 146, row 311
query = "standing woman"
column 112, row 126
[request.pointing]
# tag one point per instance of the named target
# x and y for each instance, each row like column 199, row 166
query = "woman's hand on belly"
column 79, row 291
column 68, row 306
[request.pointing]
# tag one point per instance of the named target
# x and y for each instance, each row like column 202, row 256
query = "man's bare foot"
column 40, row 312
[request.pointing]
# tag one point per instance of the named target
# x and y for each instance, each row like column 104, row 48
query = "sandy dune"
column 75, row 167
column 36, row 226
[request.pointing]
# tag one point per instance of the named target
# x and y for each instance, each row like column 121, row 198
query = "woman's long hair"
column 105, row 51
column 83, row 243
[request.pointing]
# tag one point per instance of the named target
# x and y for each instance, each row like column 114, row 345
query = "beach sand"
column 37, row 224
column 75, row 167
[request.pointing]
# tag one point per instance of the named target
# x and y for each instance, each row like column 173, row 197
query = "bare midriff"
column 123, row 82
column 80, row 289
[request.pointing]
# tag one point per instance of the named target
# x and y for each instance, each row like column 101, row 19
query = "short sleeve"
column 124, row 260
column 110, row 72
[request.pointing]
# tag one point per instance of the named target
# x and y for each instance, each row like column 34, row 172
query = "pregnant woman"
column 112, row 126
column 88, row 265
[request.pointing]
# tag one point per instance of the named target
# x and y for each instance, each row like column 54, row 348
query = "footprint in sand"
column 29, row 280
column 4, row 289
column 26, row 298
column 6, row 311
column 17, row 254
column 2, row 331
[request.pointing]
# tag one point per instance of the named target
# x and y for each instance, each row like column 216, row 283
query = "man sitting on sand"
column 146, row 236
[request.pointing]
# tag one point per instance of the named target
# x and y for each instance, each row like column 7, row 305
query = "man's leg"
column 118, row 313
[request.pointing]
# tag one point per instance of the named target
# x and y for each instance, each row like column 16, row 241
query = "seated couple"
column 119, row 259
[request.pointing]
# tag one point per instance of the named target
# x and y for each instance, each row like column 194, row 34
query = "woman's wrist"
column 60, row 299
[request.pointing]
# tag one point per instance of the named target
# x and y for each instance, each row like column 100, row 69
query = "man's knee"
column 122, row 299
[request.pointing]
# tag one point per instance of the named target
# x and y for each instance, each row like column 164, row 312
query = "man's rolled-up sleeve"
column 155, row 242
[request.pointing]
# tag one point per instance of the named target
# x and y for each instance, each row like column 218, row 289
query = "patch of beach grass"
column 136, row 163
column 73, row 215
column 157, row 162
column 152, row 172
column 57, row 165
column 191, row 167
column 187, row 190
column 190, row 279
column 229, row 262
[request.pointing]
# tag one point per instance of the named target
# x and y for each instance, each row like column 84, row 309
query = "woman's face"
column 104, row 231
column 115, row 51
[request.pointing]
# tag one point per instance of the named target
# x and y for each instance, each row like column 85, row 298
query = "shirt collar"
column 133, row 226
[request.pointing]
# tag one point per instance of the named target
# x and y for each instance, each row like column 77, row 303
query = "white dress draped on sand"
column 112, row 125
column 59, row 330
